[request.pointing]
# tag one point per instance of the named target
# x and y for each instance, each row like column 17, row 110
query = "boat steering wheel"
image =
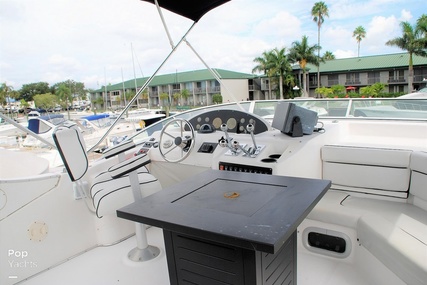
column 176, row 140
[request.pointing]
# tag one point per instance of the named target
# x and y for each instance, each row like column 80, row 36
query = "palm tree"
column 5, row 91
column 422, row 29
column 274, row 64
column 319, row 11
column 328, row 55
column 359, row 33
column 263, row 66
column 302, row 53
column 413, row 41
column 279, row 66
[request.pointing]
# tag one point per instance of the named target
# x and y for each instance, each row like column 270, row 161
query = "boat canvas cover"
column 38, row 125
column 191, row 9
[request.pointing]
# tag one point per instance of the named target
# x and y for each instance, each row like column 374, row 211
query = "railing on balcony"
column 352, row 82
column 396, row 80
column 198, row 90
column 420, row 78
column 215, row 89
column 373, row 80
column 265, row 86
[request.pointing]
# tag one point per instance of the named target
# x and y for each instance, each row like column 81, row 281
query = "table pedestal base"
column 192, row 260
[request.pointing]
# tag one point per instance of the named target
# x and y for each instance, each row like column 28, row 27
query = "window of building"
column 396, row 76
column 373, row 77
column 333, row 79
column 352, row 78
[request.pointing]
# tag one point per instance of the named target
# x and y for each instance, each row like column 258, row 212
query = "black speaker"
column 294, row 120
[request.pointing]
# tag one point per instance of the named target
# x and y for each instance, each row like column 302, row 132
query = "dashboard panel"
column 235, row 120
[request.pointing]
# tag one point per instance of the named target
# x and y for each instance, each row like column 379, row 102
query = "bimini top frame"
column 191, row 9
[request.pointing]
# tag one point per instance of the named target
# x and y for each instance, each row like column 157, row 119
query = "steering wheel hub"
column 176, row 140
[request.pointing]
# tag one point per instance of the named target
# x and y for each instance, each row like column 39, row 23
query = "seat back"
column 418, row 186
column 71, row 146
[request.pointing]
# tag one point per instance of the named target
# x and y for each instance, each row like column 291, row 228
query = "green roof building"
column 198, row 87
column 357, row 72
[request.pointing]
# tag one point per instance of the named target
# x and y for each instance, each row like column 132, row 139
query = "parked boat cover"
column 191, row 9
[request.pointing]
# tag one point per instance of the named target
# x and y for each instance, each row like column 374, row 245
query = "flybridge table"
column 231, row 227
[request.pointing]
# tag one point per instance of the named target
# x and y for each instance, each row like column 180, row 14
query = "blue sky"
column 90, row 41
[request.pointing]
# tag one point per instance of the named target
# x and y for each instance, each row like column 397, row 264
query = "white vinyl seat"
column 108, row 191
column 120, row 185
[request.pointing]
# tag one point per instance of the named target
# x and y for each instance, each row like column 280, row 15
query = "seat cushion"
column 358, row 169
column 418, row 186
column 72, row 149
column 110, row 194
column 395, row 246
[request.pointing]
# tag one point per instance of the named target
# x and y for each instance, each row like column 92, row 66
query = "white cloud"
column 405, row 15
column 345, row 53
column 379, row 31
column 53, row 41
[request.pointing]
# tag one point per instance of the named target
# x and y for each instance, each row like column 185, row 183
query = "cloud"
column 90, row 41
column 344, row 53
column 405, row 15
column 379, row 31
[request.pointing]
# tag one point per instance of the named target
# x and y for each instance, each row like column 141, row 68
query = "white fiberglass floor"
column 109, row 265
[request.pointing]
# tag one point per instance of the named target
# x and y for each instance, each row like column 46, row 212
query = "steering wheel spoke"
column 175, row 148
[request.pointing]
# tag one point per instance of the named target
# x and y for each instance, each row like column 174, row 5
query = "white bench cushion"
column 376, row 171
column 398, row 249
column 418, row 186
column 110, row 194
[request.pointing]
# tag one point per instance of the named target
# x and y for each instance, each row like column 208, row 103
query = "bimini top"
column 191, row 9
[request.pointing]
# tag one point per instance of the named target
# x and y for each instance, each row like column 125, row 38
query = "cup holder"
column 275, row 156
column 268, row 160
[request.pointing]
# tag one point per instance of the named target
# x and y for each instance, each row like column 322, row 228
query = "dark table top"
column 247, row 210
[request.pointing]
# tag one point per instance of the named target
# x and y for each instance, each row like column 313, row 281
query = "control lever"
column 236, row 146
column 227, row 142
column 250, row 128
column 224, row 128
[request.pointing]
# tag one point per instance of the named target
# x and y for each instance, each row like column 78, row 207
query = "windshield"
column 343, row 109
column 358, row 108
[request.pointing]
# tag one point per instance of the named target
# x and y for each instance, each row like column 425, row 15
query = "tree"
column 328, row 55
column 413, row 41
column 422, row 29
column 373, row 90
column 45, row 101
column 324, row 91
column 217, row 98
column 264, row 66
column 279, row 66
column 338, row 90
column 5, row 92
column 64, row 96
column 319, row 11
column 176, row 97
column 302, row 53
column 165, row 98
column 185, row 93
column 77, row 89
column 359, row 33
column 28, row 91
column 274, row 63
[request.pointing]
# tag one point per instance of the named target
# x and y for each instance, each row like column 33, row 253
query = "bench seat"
column 382, row 194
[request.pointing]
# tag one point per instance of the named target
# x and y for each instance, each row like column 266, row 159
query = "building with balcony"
column 357, row 72
column 197, row 88
column 191, row 88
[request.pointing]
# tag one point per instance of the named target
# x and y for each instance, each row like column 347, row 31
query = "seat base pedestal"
column 145, row 254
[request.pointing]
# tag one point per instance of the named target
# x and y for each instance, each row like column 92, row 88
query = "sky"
column 100, row 42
